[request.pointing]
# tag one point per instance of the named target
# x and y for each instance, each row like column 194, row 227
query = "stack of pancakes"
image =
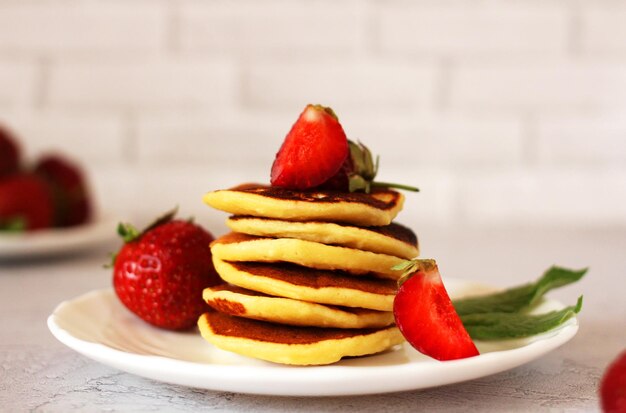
column 308, row 275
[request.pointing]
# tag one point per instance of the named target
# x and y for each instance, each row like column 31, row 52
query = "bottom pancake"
column 293, row 345
column 251, row 304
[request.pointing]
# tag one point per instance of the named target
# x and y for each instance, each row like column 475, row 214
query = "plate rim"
column 318, row 380
column 55, row 241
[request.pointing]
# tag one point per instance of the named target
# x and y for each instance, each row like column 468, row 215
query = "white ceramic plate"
column 99, row 326
column 55, row 241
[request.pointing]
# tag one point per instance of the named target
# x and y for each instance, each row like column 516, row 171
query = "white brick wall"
column 243, row 142
column 362, row 85
column 561, row 84
column 18, row 83
column 505, row 112
column 254, row 28
column 582, row 140
column 545, row 197
column 135, row 83
column 451, row 30
column 87, row 28
column 57, row 131
column 603, row 28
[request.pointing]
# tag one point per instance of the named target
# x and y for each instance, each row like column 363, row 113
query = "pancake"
column 293, row 345
column 393, row 239
column 240, row 302
column 377, row 208
column 241, row 247
column 306, row 284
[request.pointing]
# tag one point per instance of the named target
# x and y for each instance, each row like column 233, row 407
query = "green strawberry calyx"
column 129, row 233
column 410, row 267
column 15, row 224
column 365, row 169
column 326, row 109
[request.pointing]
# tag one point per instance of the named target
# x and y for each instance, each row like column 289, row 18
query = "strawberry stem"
column 377, row 184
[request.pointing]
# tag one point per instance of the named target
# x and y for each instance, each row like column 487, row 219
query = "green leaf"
column 364, row 170
column 518, row 298
column 498, row 326
column 128, row 232
column 15, row 224
column 111, row 263
column 163, row 219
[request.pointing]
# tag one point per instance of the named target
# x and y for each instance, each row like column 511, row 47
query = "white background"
column 504, row 113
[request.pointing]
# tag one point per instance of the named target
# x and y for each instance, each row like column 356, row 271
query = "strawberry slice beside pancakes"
column 426, row 317
column 313, row 151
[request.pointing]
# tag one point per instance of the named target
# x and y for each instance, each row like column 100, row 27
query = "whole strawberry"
column 9, row 153
column 613, row 386
column 26, row 203
column 159, row 274
column 72, row 198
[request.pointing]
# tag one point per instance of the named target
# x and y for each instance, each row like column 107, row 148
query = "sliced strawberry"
column 613, row 386
column 426, row 317
column 313, row 151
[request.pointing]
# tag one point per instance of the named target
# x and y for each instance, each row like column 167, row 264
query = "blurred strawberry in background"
column 52, row 194
column 9, row 153
column 71, row 195
column 26, row 203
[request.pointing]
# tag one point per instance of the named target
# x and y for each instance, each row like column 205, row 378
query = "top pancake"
column 377, row 208
column 393, row 239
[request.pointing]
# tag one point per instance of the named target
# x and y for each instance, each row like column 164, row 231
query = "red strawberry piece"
column 426, row 317
column 72, row 198
column 613, row 386
column 159, row 274
column 313, row 151
column 341, row 180
column 9, row 153
column 26, row 203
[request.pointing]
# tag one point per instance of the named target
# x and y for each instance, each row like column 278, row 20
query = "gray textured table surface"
column 37, row 373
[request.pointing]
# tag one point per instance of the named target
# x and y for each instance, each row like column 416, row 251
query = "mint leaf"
column 497, row 326
column 518, row 298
